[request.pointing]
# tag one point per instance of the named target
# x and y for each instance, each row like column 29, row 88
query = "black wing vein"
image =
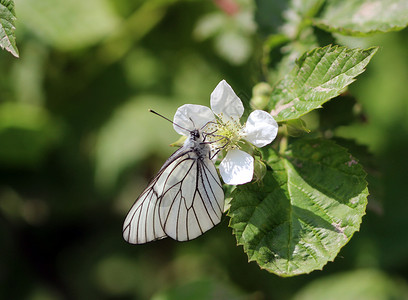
column 182, row 201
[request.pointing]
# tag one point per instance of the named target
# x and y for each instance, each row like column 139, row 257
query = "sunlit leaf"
column 7, row 27
column 307, row 207
column 319, row 75
column 362, row 17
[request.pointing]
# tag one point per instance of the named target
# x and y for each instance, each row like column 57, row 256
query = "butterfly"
column 185, row 198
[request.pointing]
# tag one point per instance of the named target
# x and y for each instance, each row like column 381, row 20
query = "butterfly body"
column 184, row 200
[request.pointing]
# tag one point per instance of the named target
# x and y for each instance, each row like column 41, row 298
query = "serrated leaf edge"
column 352, row 32
column 275, row 112
column 8, row 42
column 333, row 256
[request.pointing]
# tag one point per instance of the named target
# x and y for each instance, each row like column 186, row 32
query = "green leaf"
column 68, row 25
column 362, row 17
column 319, row 75
column 365, row 284
column 308, row 206
column 7, row 27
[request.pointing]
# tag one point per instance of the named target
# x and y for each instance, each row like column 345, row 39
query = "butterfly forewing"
column 183, row 201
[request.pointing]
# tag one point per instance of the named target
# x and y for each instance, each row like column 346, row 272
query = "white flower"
column 223, row 120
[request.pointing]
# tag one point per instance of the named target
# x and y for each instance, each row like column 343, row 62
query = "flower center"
column 228, row 133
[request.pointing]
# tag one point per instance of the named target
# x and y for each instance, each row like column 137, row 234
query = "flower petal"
column 261, row 128
column 190, row 117
column 237, row 167
column 225, row 103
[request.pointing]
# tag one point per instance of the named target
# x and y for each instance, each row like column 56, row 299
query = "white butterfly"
column 184, row 200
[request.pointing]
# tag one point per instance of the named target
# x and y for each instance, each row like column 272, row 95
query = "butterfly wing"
column 183, row 201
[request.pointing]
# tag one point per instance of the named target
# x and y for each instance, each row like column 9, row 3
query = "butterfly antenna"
column 156, row 113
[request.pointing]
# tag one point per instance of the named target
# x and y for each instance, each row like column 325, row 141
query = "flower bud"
column 259, row 169
column 260, row 96
column 296, row 128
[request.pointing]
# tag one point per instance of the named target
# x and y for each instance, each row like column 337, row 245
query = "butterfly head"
column 195, row 134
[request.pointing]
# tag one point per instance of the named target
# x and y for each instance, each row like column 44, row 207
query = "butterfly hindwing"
column 191, row 206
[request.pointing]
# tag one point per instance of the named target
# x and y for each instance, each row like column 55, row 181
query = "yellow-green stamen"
column 227, row 134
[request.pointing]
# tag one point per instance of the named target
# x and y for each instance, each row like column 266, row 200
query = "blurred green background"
column 77, row 146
